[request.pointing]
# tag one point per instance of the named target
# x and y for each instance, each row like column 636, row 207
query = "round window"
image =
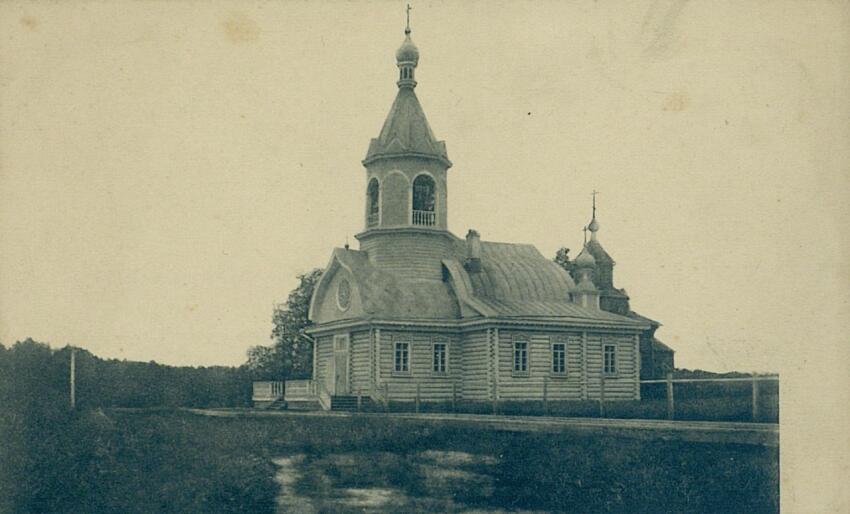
column 343, row 295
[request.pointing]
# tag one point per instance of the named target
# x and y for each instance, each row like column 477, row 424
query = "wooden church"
column 418, row 312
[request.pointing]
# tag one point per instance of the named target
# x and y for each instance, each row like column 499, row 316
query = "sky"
column 168, row 169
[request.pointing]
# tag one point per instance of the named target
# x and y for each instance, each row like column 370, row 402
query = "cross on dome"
column 407, row 57
column 594, row 225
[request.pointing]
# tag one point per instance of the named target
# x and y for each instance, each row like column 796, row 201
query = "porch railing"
column 267, row 390
column 300, row 389
column 426, row 218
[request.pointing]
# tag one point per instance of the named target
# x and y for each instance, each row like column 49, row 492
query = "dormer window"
column 423, row 201
column 373, row 212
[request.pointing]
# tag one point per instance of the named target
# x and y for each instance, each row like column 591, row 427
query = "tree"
column 562, row 259
column 263, row 362
column 291, row 354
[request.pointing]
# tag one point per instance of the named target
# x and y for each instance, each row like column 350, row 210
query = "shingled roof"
column 406, row 132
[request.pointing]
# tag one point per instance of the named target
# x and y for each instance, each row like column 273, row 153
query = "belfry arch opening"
column 424, row 201
column 373, row 203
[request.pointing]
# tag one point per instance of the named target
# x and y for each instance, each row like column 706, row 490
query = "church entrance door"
column 340, row 365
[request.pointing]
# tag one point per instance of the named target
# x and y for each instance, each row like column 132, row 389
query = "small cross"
column 594, row 193
column 585, row 234
column 408, row 18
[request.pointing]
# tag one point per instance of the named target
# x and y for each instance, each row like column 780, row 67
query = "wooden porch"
column 291, row 394
column 267, row 394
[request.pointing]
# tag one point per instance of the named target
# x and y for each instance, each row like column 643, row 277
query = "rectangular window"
column 402, row 358
column 559, row 358
column 441, row 358
column 520, row 357
column 609, row 359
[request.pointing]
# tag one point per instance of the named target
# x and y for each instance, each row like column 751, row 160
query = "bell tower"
column 406, row 167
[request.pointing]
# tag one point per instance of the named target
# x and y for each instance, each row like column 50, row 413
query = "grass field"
column 169, row 461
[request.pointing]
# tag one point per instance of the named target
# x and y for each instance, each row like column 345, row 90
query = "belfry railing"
column 426, row 218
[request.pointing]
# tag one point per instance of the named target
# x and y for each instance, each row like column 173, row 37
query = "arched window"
column 374, row 194
column 423, row 200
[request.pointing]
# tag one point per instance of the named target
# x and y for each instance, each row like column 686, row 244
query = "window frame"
column 445, row 370
column 377, row 203
column 339, row 287
column 616, row 358
column 432, row 182
column 409, row 353
column 521, row 339
column 558, row 374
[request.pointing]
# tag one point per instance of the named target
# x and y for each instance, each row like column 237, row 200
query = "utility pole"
column 73, row 377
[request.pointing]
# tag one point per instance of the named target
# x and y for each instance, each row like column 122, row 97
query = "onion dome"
column 406, row 132
column 593, row 226
column 585, row 259
column 407, row 53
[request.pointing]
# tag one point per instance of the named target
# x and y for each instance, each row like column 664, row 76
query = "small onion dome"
column 585, row 260
column 407, row 52
column 594, row 225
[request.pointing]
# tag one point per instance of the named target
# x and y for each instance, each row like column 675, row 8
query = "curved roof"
column 519, row 273
column 514, row 281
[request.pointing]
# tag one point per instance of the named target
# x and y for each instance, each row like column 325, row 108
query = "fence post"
column 454, row 396
column 545, row 396
column 359, row 403
column 418, row 393
column 670, row 403
column 755, row 399
column 602, row 396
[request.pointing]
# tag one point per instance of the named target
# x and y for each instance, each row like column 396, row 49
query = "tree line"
column 33, row 374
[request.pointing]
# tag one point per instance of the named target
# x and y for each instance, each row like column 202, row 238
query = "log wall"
column 583, row 367
column 480, row 365
column 476, row 377
column 432, row 386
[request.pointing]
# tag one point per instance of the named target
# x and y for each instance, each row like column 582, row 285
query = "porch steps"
column 348, row 403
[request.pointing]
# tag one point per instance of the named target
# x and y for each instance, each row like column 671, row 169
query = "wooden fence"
column 671, row 399
column 603, row 405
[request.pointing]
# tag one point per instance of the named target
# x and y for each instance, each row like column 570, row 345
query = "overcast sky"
column 169, row 168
